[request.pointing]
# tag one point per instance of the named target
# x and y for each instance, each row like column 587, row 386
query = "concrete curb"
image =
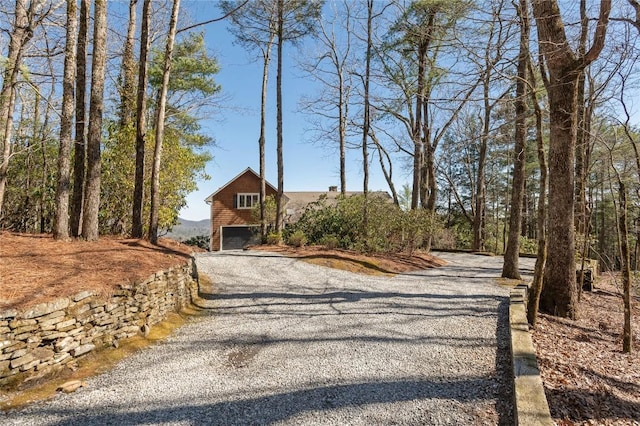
column 530, row 403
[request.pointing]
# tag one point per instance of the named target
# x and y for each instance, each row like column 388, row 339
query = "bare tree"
column 559, row 293
column 160, row 117
column 141, row 122
column 295, row 19
column 410, row 69
column 627, row 334
column 279, row 136
column 79, row 157
column 96, row 105
column 496, row 38
column 510, row 268
column 635, row 21
column 127, row 74
column 422, row 37
column 366, row 119
column 582, row 132
column 254, row 26
column 61, row 225
column 386, row 165
column 27, row 19
column 331, row 67
column 533, row 300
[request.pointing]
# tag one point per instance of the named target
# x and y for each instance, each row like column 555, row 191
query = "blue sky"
column 307, row 166
column 235, row 126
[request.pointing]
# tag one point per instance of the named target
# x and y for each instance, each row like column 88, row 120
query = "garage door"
column 237, row 237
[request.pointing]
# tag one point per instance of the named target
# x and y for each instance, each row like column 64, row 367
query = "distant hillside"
column 186, row 229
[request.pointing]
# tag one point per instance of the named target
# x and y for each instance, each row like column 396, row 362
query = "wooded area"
column 518, row 121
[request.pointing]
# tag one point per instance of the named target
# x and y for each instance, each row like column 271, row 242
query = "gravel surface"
column 291, row 343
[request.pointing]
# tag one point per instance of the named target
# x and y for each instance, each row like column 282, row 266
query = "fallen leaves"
column 35, row 268
column 587, row 378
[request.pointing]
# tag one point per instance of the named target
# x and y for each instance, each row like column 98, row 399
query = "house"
column 232, row 226
column 231, row 211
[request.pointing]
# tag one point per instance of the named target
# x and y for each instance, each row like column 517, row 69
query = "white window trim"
column 246, row 195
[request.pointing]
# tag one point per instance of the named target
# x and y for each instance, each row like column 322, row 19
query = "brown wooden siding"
column 223, row 212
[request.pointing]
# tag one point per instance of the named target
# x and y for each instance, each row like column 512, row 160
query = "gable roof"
column 296, row 200
column 209, row 199
column 299, row 200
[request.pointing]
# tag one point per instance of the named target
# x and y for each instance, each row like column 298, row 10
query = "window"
column 246, row 201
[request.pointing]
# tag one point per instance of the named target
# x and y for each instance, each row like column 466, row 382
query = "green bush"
column 528, row 245
column 297, row 239
column 329, row 242
column 387, row 228
column 418, row 228
column 269, row 212
column 445, row 240
column 201, row 241
column 274, row 238
column 462, row 235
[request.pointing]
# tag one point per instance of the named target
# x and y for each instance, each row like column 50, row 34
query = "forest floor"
column 35, row 268
column 587, row 378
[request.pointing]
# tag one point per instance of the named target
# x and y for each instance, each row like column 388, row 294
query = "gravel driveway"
column 291, row 343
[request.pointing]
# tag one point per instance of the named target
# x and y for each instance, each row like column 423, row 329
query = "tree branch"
column 199, row 24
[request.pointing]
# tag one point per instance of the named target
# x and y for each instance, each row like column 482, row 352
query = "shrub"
column 297, row 239
column 201, row 241
column 269, row 211
column 387, row 229
column 329, row 241
column 418, row 228
column 274, row 238
column 445, row 239
column 528, row 245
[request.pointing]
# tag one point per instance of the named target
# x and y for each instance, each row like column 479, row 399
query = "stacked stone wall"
column 49, row 336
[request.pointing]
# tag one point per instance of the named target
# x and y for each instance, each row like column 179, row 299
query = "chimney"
column 333, row 188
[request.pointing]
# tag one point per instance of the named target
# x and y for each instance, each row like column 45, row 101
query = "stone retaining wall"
column 52, row 335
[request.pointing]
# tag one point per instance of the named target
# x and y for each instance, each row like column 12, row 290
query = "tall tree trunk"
column 141, row 123
column 262, row 142
column 35, row 141
column 388, row 173
column 627, row 335
column 160, row 116
column 559, row 296
column 541, row 259
column 279, row 136
column 342, row 130
column 559, row 293
column 420, row 126
column 581, row 134
column 79, row 156
column 39, row 134
column 418, row 139
column 20, row 35
column 425, row 179
column 366, row 120
column 6, row 150
column 61, row 225
column 510, row 268
column 127, row 97
column 481, row 185
column 27, row 217
column 627, row 339
column 96, row 106
column 481, row 195
column 430, row 165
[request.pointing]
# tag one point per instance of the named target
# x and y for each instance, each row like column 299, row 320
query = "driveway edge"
column 530, row 403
